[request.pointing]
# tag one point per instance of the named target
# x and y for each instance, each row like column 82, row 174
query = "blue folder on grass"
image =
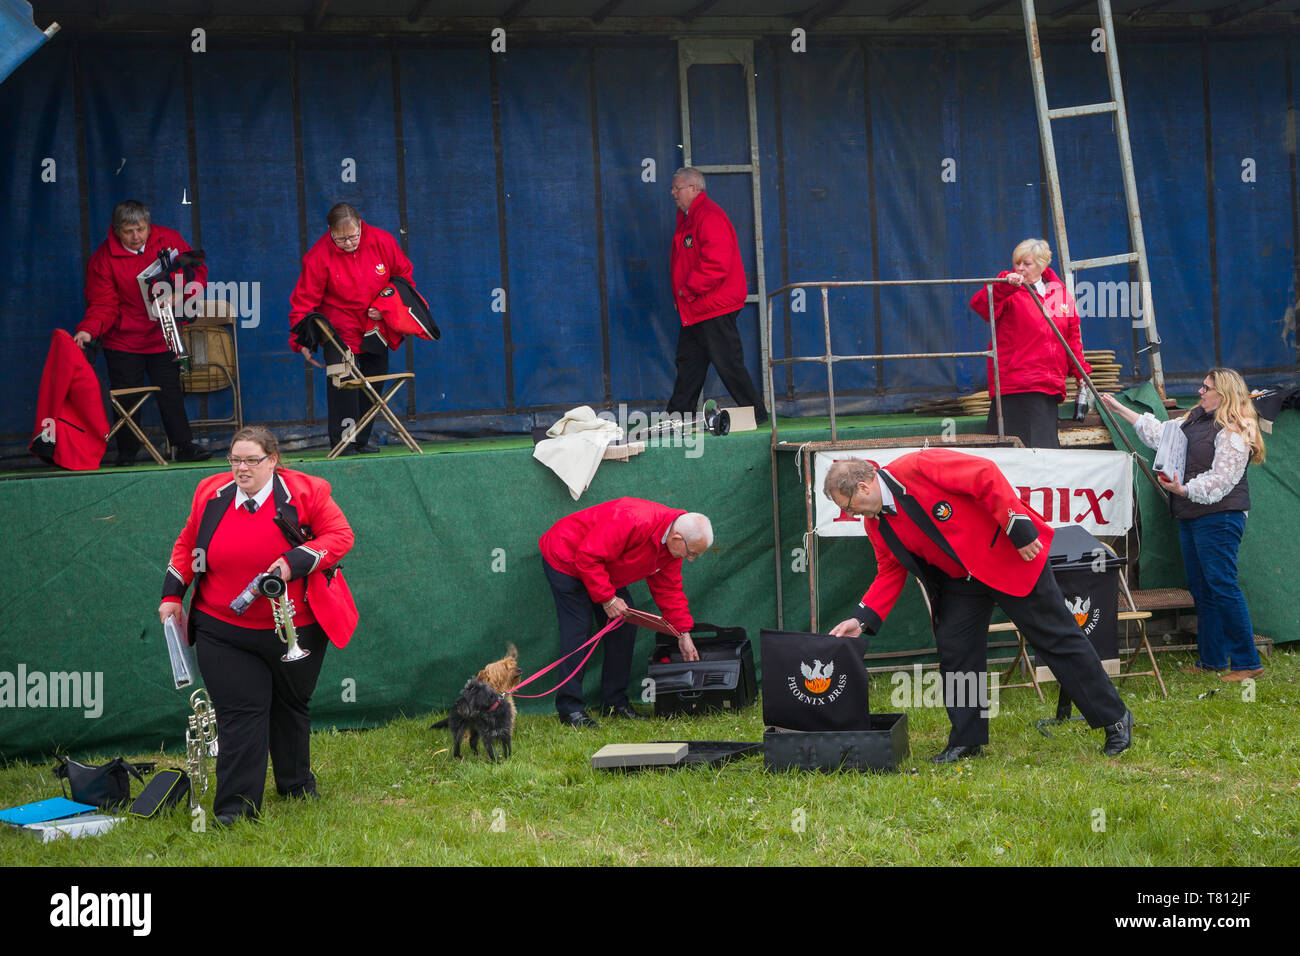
column 43, row 811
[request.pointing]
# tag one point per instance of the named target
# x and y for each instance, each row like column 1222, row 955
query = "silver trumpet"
column 200, row 743
column 161, row 295
column 275, row 590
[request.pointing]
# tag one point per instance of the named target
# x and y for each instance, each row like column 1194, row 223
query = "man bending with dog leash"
column 590, row 558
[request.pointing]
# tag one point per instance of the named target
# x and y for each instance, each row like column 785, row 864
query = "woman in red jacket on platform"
column 341, row 275
column 233, row 534
column 1032, row 365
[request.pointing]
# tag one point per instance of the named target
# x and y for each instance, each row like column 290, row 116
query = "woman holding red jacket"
column 1032, row 365
column 236, row 531
column 341, row 276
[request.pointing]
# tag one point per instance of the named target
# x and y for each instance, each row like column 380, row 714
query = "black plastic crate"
column 883, row 747
column 723, row 678
column 1088, row 574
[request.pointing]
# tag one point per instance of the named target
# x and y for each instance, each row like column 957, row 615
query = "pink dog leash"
column 616, row 622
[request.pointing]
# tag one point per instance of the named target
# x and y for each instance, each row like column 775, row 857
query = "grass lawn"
column 1213, row 781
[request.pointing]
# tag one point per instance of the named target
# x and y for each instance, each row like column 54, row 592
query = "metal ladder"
column 739, row 52
column 1115, row 106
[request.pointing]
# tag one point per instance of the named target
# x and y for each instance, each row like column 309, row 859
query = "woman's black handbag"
column 107, row 787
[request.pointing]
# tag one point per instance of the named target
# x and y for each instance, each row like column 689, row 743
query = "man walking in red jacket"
column 133, row 341
column 955, row 523
column 709, row 291
column 590, row 558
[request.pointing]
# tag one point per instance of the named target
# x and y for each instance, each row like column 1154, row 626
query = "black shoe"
column 957, row 754
column 368, row 450
column 577, row 718
column 230, row 819
column 124, row 461
column 192, row 452
column 312, row 794
column 623, row 710
column 1119, row 735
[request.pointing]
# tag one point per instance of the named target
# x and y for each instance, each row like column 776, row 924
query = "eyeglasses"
column 1205, row 388
column 250, row 462
column 694, row 554
column 344, row 240
column 677, row 188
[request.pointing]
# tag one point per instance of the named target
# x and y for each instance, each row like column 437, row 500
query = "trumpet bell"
column 296, row 652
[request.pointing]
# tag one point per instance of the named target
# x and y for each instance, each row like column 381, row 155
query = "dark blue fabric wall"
column 524, row 173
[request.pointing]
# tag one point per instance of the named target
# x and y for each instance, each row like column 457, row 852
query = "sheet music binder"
column 1171, row 454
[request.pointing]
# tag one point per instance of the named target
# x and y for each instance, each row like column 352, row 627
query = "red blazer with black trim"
column 301, row 500
column 985, row 525
column 612, row 545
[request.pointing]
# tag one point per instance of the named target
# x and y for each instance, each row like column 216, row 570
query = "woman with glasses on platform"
column 341, row 275
column 1211, row 504
column 260, row 519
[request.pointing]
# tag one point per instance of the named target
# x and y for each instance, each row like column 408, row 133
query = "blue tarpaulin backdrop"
column 521, row 182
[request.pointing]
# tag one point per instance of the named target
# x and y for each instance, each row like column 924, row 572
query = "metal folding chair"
column 346, row 374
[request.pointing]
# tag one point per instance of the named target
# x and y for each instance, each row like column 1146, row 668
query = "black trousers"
column 717, row 341
column 962, row 609
column 577, row 611
column 1030, row 416
column 352, row 403
column 262, row 705
column 129, row 370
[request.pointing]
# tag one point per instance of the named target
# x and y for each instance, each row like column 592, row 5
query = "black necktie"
column 251, row 505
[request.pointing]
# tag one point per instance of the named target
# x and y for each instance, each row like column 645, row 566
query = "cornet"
column 200, row 743
column 156, row 283
column 276, row 591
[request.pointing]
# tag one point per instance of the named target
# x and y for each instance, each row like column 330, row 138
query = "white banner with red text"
column 1065, row 486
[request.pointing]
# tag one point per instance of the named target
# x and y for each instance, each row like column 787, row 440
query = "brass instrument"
column 276, row 591
column 200, row 743
column 159, row 294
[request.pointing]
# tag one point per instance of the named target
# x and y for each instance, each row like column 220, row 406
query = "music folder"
column 652, row 621
column 1171, row 453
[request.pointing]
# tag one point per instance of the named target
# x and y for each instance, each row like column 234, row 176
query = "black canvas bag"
column 814, row 682
column 107, row 787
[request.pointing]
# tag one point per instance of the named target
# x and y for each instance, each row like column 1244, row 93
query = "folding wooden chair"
column 346, row 374
column 125, row 417
column 212, row 341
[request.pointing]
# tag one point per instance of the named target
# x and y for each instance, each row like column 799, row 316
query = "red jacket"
column 974, row 517
column 1030, row 358
column 341, row 285
column 115, row 310
column 708, row 276
column 70, row 420
column 612, row 545
column 301, row 500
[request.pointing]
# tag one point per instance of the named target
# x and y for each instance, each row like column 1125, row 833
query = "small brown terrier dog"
column 501, row 675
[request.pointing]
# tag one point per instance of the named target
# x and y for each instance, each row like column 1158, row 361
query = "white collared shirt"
column 886, row 497
column 260, row 497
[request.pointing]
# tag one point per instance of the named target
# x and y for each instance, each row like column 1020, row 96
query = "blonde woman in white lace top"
column 1223, row 438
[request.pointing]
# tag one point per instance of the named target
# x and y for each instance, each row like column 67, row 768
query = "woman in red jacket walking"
column 234, row 533
column 1032, row 365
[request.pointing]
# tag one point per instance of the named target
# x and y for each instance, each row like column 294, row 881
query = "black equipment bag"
column 724, row 678
column 167, row 789
column 107, row 787
column 814, row 681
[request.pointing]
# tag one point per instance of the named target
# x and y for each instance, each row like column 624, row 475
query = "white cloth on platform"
column 576, row 447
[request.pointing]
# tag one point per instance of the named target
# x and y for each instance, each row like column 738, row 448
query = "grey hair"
column 843, row 476
column 695, row 527
column 132, row 210
column 692, row 176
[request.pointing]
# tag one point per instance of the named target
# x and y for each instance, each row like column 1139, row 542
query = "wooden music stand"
column 354, row 379
column 125, row 417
